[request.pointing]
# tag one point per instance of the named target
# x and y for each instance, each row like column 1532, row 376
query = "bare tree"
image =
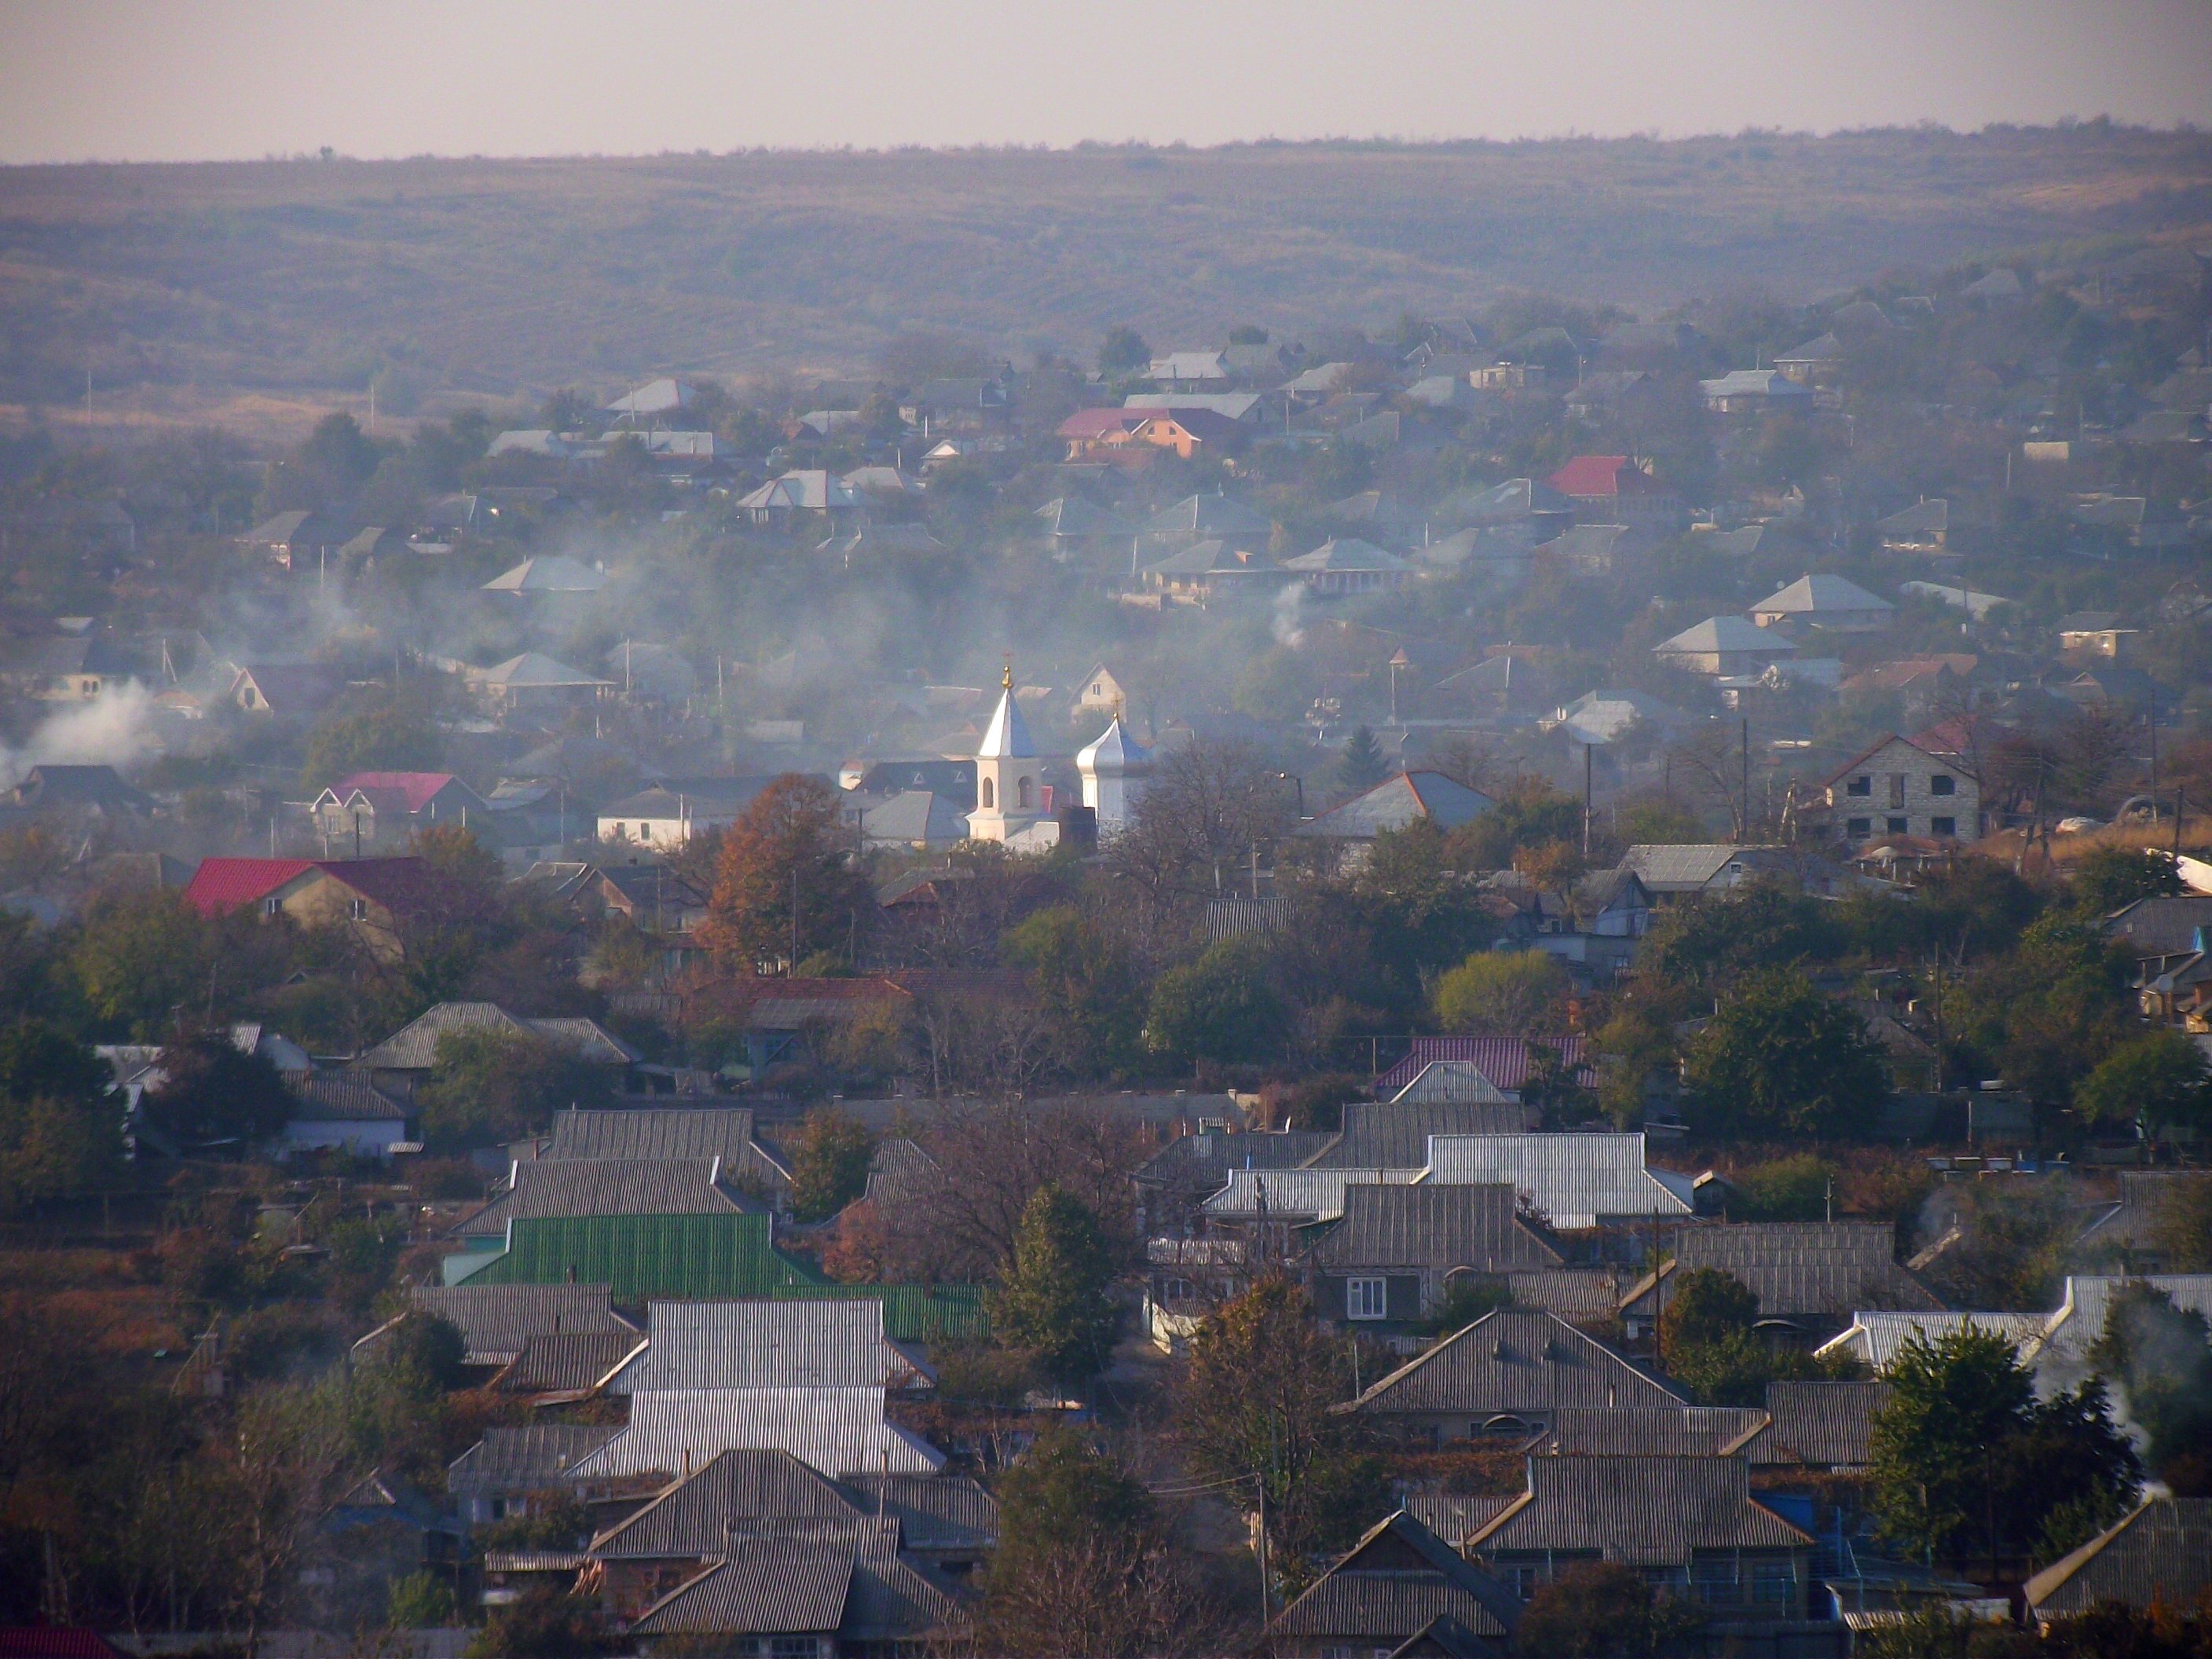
column 1207, row 807
column 279, row 1469
column 1713, row 759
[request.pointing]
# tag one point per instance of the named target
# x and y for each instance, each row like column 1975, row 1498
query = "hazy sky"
column 171, row 80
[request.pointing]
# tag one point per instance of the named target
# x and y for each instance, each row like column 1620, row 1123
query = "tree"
column 789, row 848
column 214, row 1096
column 2107, row 878
column 387, row 735
column 140, row 958
column 1531, row 814
column 488, row 1086
column 1967, row 1462
column 1780, row 1059
column 2159, row 1079
column 1086, row 979
column 1361, row 765
column 1256, row 1396
column 829, row 1163
column 1602, row 1610
column 543, row 1624
column 1121, row 350
column 1703, row 1307
column 1053, row 1300
column 1220, row 1007
column 60, row 1130
column 2050, row 1009
column 1206, row 807
column 1503, row 993
column 2159, row 1358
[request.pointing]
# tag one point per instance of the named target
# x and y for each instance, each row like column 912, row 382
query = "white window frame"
column 1367, row 1297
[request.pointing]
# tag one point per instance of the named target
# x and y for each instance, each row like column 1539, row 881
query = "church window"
column 1022, row 787
column 988, row 801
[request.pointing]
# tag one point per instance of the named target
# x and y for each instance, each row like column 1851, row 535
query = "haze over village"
column 870, row 873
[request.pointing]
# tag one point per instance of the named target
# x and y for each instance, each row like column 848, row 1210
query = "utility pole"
column 1587, row 749
column 794, row 920
column 1746, row 834
column 1939, row 1019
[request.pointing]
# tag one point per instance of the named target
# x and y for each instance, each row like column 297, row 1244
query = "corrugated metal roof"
column 1873, row 1338
column 1503, row 1060
column 942, row 1511
column 497, row 1320
column 1810, row 1270
column 647, row 1257
column 1646, row 1511
column 766, row 1345
column 1206, row 1159
column 654, row 1132
column 1294, row 1195
column 342, row 1097
column 1394, row 1133
column 1396, row 802
column 1577, row 1295
column 566, row 1364
column 1454, row 1081
column 1452, row 1515
column 560, row 1187
column 1438, row 1227
column 1515, row 1361
column 1684, row 869
column 1668, row 1431
column 2161, row 1553
column 832, row 1430
column 1574, row 1179
column 414, row 1046
column 2080, row 1318
column 1824, row 1425
column 1396, row 1581
column 766, row 1587
column 522, row 1460
column 742, row 1492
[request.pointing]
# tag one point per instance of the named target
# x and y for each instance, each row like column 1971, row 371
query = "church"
column 1013, row 805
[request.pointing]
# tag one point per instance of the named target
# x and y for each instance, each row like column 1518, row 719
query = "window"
column 358, row 909
column 1367, row 1298
column 1896, row 788
column 1022, row 786
column 989, row 795
column 1859, row 829
column 1896, row 826
column 1773, row 1582
column 1942, row 826
column 272, row 906
column 792, row 1647
column 621, row 832
column 1714, row 1580
column 1942, row 784
column 1176, row 1290
column 1861, row 787
column 645, row 832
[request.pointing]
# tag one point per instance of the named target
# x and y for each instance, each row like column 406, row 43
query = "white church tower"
column 1115, row 768
column 1010, row 780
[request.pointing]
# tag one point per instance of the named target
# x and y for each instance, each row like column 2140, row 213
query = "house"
column 63, row 668
column 1536, row 509
column 294, row 692
column 1190, row 434
column 1508, row 1062
column 1591, row 548
column 93, row 791
column 408, row 1055
column 1259, row 1198
column 1821, row 1427
column 1899, row 788
column 1396, row 1252
column 296, row 539
column 668, row 815
column 1676, row 1432
column 1572, row 1182
column 1211, row 569
column 558, row 1189
column 779, row 502
column 545, row 574
column 1095, row 433
column 655, row 397
column 2158, row 1556
column 1722, row 646
column 339, row 1112
column 1924, row 527
column 725, row 1133
column 1830, row 603
column 1874, row 1337
column 1069, row 524
column 2093, row 633
column 1449, row 1083
column 1610, row 904
column 1396, row 802
column 386, row 808
column 1687, row 1523
column 498, row 1322
column 1754, row 392
column 1188, row 368
column 520, row 1471
column 1175, row 1181
column 1503, row 1378
column 373, row 897
column 1615, row 489
column 1244, row 408
column 1809, row 1277
column 1400, row 1591
column 835, row 1431
column 1816, row 363
column 534, row 685
column 1676, row 874
column 811, row 1344
column 1346, row 564
column 1608, row 714
column 919, row 819
column 1216, row 517
column 1977, row 603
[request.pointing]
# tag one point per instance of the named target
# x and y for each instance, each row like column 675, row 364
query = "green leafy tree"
column 141, row 959
column 386, row 736
column 1361, row 765
column 2050, row 1009
column 1085, row 979
column 1708, row 1343
column 1503, row 993
column 488, row 1086
column 214, row 1096
column 1531, row 814
column 1968, row 1463
column 2159, row 1357
column 421, row 1601
column 60, row 1129
column 1602, row 1610
column 545, row 1624
column 2159, row 1079
column 1781, row 1059
column 1707, row 947
column 1795, row 1188
column 1121, row 350
column 789, row 847
column 829, row 1162
column 2107, row 878
column 1054, row 1299
column 1221, row 1007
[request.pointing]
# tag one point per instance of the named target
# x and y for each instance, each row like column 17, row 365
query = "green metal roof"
column 706, row 1257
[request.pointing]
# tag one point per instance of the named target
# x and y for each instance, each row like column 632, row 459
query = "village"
column 1531, row 981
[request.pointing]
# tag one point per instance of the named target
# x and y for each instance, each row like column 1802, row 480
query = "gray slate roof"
column 414, row 1046
column 604, row 1187
column 1396, row 802
column 1394, row 1133
column 534, row 1458
column 655, row 1131
column 851, row 1583
column 340, row 1098
column 1645, row 1511
column 2162, row 1551
column 1436, row 1227
column 1395, row 1583
column 1668, row 1431
column 803, row 1344
column 1458, row 1082
column 1804, row 1271
column 1826, row 1425
column 1516, row 1360
column 568, row 1362
column 497, row 1320
column 755, row 1490
column 1204, row 1161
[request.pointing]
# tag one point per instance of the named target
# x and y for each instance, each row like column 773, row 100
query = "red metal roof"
column 415, row 788
column 221, row 884
column 1503, row 1059
column 1600, row 474
column 53, row 1642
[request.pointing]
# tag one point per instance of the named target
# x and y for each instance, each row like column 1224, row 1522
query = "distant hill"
column 507, row 276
